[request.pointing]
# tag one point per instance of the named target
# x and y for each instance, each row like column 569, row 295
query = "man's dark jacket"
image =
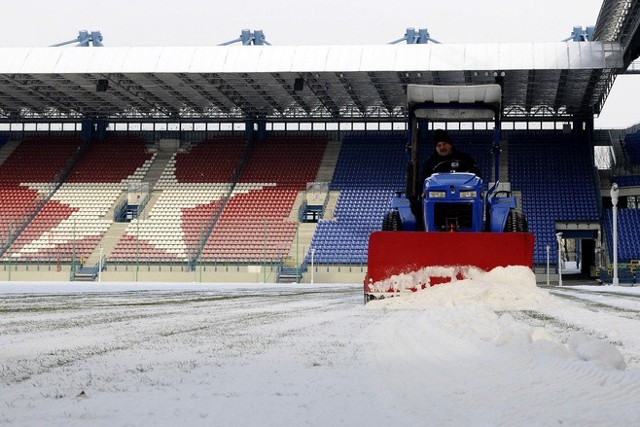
column 466, row 162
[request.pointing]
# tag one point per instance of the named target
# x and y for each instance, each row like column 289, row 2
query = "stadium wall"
column 163, row 273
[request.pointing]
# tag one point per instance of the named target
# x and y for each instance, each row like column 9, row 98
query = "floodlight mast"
column 84, row 39
column 579, row 34
column 247, row 37
column 412, row 37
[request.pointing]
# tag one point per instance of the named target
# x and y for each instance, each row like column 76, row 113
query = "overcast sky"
column 295, row 22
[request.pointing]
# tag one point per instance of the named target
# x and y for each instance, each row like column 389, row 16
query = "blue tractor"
column 449, row 219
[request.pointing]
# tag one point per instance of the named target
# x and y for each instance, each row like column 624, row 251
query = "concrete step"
column 300, row 244
column 329, row 161
column 108, row 242
column 157, row 167
column 329, row 211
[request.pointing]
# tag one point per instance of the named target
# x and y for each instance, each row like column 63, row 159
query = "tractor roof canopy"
column 454, row 102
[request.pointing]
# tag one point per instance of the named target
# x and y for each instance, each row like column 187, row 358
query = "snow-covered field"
column 495, row 350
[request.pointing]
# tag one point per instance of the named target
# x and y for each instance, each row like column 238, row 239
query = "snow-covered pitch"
column 492, row 350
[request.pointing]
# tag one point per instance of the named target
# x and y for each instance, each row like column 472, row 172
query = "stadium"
column 249, row 162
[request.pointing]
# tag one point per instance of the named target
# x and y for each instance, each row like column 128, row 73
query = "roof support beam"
column 194, row 81
column 227, row 91
column 348, row 87
column 140, row 99
column 321, row 93
column 531, row 85
column 31, row 91
column 386, row 103
column 560, row 90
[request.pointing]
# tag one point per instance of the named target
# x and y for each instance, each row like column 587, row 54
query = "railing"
column 295, row 273
column 628, row 273
column 120, row 211
column 304, row 206
column 120, row 206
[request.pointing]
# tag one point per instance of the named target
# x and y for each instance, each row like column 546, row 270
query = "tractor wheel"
column 392, row 221
column 516, row 222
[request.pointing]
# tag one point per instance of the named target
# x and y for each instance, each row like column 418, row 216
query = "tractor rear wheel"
column 516, row 222
column 392, row 221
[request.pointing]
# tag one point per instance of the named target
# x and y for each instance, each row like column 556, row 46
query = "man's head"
column 442, row 142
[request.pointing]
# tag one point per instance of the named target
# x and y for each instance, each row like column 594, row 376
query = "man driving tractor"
column 446, row 157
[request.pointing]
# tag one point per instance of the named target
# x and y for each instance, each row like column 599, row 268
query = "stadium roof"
column 619, row 20
column 312, row 83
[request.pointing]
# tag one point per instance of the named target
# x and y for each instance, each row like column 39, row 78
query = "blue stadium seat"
column 557, row 182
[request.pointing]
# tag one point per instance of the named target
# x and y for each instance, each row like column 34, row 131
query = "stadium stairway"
column 154, row 173
column 330, row 209
column 329, row 161
column 117, row 229
column 306, row 230
column 301, row 243
column 160, row 163
column 290, row 272
column 325, row 174
column 108, row 242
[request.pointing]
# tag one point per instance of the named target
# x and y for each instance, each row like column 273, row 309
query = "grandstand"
column 205, row 174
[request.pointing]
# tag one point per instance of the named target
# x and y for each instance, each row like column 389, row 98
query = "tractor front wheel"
column 392, row 221
column 516, row 222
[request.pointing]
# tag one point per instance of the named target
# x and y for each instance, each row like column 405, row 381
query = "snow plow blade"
column 441, row 256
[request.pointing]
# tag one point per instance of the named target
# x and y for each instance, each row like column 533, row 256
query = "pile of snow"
column 482, row 306
column 503, row 288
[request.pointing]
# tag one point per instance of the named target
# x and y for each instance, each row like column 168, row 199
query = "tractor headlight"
column 437, row 194
column 472, row 194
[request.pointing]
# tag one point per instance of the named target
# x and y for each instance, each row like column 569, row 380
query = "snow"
column 491, row 349
column 503, row 288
